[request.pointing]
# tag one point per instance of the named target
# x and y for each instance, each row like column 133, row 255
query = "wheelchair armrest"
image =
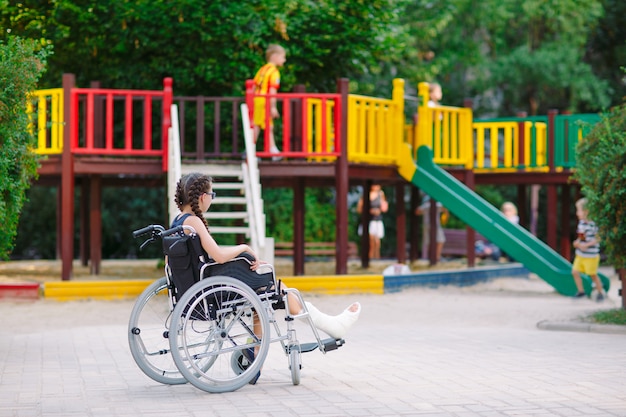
column 246, row 255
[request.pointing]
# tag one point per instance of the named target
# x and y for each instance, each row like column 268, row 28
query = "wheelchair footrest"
column 329, row 344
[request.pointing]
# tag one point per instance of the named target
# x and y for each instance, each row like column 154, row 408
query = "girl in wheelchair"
column 193, row 197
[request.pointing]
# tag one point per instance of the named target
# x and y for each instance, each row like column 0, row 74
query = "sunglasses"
column 212, row 194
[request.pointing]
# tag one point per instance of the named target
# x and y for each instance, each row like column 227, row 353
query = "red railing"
column 309, row 125
column 95, row 111
column 210, row 127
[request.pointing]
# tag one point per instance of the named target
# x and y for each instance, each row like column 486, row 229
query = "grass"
column 616, row 316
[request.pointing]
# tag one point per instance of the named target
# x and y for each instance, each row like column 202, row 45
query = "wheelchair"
column 202, row 323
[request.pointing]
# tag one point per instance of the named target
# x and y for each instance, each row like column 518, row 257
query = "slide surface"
column 516, row 241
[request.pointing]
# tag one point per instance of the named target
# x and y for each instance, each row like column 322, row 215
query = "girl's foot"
column 336, row 326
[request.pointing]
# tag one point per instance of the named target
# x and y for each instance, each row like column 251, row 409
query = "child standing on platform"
column 587, row 246
column 267, row 81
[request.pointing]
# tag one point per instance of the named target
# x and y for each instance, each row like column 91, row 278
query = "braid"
column 188, row 191
column 195, row 191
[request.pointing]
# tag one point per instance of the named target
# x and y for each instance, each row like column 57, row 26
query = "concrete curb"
column 322, row 284
column 20, row 290
column 460, row 277
column 101, row 290
column 572, row 326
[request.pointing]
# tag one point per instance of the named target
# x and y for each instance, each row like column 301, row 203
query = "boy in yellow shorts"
column 267, row 81
column 587, row 246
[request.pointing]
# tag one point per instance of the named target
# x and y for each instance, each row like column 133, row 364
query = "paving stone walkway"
column 447, row 351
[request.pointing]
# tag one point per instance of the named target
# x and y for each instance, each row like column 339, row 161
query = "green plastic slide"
column 516, row 241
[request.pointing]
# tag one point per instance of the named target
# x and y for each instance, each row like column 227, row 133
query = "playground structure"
column 334, row 140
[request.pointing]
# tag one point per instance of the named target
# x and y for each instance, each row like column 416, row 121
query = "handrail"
column 503, row 144
column 569, row 130
column 375, row 127
column 446, row 130
column 88, row 104
column 46, row 106
column 323, row 142
column 103, row 123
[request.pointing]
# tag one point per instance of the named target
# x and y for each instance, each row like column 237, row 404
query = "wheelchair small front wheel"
column 295, row 364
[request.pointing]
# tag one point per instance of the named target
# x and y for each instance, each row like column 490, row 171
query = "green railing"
column 569, row 129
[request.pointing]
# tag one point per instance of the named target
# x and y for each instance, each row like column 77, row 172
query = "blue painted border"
column 460, row 277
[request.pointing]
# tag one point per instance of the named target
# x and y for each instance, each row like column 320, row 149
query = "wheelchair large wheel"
column 212, row 326
column 147, row 335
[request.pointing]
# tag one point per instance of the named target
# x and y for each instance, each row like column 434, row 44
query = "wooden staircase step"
column 244, row 230
column 226, row 215
column 215, row 171
column 228, row 200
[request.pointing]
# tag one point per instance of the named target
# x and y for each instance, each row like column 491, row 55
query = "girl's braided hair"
column 189, row 189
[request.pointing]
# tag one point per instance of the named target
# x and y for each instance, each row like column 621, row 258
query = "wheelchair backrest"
column 185, row 258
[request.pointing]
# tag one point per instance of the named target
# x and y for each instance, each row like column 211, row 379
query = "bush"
column 601, row 170
column 615, row 316
column 21, row 65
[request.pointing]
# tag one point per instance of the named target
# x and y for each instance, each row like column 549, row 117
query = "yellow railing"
column 46, row 106
column 375, row 127
column 446, row 130
column 314, row 128
column 497, row 145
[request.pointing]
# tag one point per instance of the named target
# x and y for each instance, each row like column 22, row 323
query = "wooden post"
column 551, row 138
column 522, row 205
column 471, row 233
column 296, row 127
column 299, row 191
column 365, row 219
column 58, row 220
column 168, row 97
column 98, row 119
column 432, row 230
column 67, row 182
column 95, row 223
column 414, row 227
column 400, row 224
column 83, row 244
column 566, row 243
column 342, row 183
column 551, row 216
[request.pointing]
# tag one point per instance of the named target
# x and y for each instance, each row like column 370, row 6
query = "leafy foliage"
column 21, row 64
column 601, row 170
column 319, row 223
column 209, row 48
column 509, row 56
column 614, row 316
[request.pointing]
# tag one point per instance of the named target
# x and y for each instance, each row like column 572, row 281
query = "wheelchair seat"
column 189, row 263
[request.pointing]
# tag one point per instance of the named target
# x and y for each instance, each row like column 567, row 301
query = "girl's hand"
column 257, row 264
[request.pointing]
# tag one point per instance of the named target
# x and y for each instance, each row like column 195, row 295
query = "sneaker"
column 249, row 355
column 275, row 158
column 601, row 296
column 580, row 294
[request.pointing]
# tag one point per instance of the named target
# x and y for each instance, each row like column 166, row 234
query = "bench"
column 315, row 249
column 456, row 242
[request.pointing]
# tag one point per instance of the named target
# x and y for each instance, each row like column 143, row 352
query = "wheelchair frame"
column 210, row 337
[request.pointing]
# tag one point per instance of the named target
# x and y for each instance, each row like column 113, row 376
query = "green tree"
column 319, row 223
column 510, row 56
column 209, row 48
column 21, row 64
column 601, row 170
column 606, row 50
